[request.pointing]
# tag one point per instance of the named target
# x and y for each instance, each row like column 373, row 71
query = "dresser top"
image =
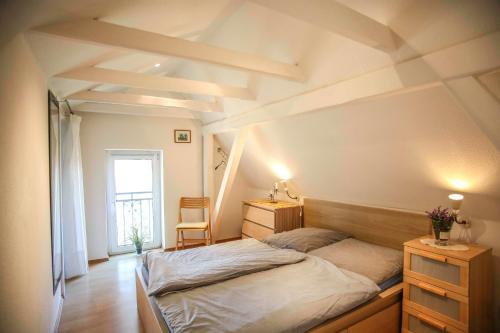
column 473, row 251
column 267, row 204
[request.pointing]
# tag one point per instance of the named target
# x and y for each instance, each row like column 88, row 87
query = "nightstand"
column 262, row 218
column 447, row 291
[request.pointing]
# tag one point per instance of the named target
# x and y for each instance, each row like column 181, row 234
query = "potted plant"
column 137, row 239
column 442, row 221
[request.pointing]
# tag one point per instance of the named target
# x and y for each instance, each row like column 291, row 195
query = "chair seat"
column 192, row 225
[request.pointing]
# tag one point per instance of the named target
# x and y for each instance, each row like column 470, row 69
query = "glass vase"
column 444, row 237
column 437, row 232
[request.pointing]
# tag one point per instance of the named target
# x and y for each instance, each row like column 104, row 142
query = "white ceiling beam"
column 228, row 179
column 430, row 71
column 133, row 110
column 129, row 38
column 337, row 18
column 153, row 82
column 208, row 169
column 143, row 100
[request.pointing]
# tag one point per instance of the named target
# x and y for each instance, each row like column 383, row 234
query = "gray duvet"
column 290, row 298
column 180, row 270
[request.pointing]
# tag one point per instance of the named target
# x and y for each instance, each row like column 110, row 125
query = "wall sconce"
column 273, row 195
column 285, row 186
column 224, row 156
column 456, row 200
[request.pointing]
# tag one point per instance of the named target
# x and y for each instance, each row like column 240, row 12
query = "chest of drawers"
column 447, row 291
column 262, row 218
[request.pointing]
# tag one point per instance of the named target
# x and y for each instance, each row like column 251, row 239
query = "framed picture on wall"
column 182, row 136
column 55, row 190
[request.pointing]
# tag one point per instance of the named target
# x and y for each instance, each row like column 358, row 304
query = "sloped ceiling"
column 325, row 57
column 406, row 151
column 422, row 27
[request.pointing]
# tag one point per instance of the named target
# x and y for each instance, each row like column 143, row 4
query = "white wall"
column 231, row 217
column 408, row 151
column 27, row 303
column 182, row 166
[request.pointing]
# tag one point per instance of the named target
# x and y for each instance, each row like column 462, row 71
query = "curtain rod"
column 69, row 106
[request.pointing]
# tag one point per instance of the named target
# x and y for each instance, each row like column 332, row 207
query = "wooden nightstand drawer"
column 262, row 218
column 440, row 303
column 442, row 271
column 259, row 215
column 447, row 288
column 255, row 230
column 418, row 322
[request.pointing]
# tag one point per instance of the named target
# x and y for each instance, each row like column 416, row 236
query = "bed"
column 380, row 226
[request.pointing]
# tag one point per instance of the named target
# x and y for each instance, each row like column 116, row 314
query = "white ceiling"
column 247, row 27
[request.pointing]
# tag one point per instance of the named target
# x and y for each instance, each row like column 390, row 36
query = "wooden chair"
column 206, row 227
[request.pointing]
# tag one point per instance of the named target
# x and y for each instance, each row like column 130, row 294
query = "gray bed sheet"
column 292, row 301
column 180, row 270
column 290, row 298
column 383, row 286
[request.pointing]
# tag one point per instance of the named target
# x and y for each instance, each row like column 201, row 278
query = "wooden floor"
column 104, row 299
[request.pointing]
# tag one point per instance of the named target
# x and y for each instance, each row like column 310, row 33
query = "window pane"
column 133, row 176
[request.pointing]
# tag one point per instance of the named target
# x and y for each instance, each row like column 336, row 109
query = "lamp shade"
column 456, row 200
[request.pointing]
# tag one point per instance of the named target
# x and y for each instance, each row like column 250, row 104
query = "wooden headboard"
column 381, row 226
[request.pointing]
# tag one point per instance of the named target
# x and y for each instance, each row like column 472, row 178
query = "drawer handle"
column 431, row 321
column 433, row 256
column 432, row 289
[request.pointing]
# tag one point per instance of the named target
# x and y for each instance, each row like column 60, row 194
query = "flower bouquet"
column 442, row 221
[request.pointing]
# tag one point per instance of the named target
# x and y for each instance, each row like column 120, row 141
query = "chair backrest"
column 195, row 203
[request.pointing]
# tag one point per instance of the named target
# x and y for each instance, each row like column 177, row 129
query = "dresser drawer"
column 255, row 230
column 417, row 322
column 445, row 272
column 440, row 303
column 258, row 215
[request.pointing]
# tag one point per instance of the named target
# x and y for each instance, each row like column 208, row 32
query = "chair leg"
column 210, row 235
column 207, row 238
column 182, row 237
column 177, row 240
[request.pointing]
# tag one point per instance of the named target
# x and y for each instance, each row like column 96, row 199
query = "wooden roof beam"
column 154, row 82
column 109, row 34
column 337, row 18
column 144, row 100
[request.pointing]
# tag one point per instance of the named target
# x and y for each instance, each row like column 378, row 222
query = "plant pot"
column 138, row 250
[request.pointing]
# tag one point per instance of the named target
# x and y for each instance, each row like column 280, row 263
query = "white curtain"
column 73, row 208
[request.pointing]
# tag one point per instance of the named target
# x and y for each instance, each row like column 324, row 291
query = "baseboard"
column 96, row 261
column 190, row 246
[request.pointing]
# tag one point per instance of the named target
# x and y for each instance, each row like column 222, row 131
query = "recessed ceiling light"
column 157, row 65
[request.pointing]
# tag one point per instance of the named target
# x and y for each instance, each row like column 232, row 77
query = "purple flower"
column 442, row 218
